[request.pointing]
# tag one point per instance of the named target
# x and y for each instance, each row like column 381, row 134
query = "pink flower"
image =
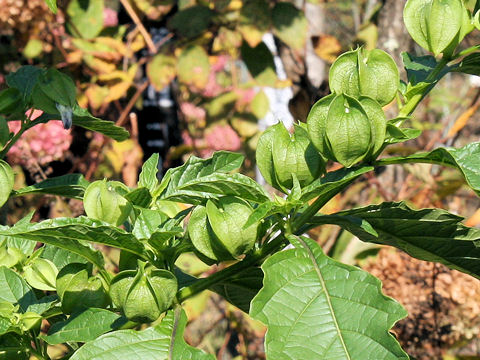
column 192, row 112
column 110, row 17
column 44, row 142
column 222, row 137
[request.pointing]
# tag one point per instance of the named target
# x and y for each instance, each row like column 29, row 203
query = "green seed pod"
column 217, row 232
column 102, row 201
column 347, row 130
column 6, row 181
column 280, row 155
column 78, row 291
column 41, row 274
column 365, row 73
column 143, row 294
column 10, row 101
column 434, row 24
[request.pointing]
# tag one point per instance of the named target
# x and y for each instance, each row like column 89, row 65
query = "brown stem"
column 131, row 12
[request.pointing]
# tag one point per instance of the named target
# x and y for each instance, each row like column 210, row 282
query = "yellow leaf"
column 327, row 47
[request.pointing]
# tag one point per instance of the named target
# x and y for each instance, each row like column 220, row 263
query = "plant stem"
column 250, row 260
column 466, row 52
column 412, row 104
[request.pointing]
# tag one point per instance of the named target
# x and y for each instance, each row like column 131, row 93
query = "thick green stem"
column 412, row 104
column 250, row 260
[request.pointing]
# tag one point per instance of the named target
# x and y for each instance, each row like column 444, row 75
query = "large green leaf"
column 465, row 159
column 69, row 233
column 164, row 341
column 228, row 184
column 15, row 290
column 192, row 21
column 84, row 326
column 470, row 64
column 317, row 308
column 428, row 234
column 193, row 171
column 70, row 185
column 24, row 79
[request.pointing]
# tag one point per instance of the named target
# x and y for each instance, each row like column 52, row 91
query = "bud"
column 217, row 232
column 143, row 294
column 365, row 73
column 102, row 201
column 78, row 291
column 280, row 155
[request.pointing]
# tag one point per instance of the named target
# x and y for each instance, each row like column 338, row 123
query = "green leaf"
column 84, row 326
column 228, row 184
column 15, row 290
column 52, row 5
column 397, row 135
column 139, row 197
column 428, row 234
column 192, row 21
column 470, row 64
column 465, row 159
column 418, row 67
column 147, row 223
column 24, row 80
column 164, row 341
column 332, row 183
column 61, row 257
column 260, row 64
column 82, row 118
column 240, row 289
column 70, row 185
column 255, row 20
column 69, row 233
column 195, row 169
column 148, row 175
column 317, row 308
column 193, row 67
column 43, row 304
column 86, row 18
column 290, row 25
column 433, row 24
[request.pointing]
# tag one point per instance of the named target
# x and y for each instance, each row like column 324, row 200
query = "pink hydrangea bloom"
column 192, row 112
column 110, row 17
column 222, row 137
column 44, row 142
